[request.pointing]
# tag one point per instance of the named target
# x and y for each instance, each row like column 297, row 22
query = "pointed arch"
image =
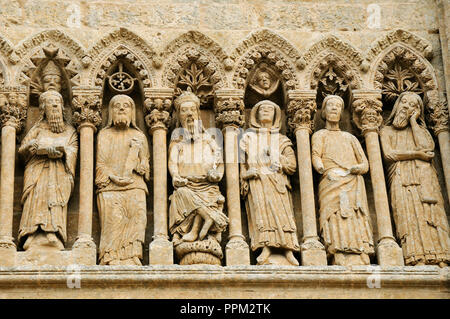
column 121, row 42
column 332, row 51
column 193, row 46
column 415, row 51
column 31, row 48
column 265, row 45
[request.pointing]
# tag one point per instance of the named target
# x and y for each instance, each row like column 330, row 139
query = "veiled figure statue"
column 344, row 214
column 50, row 152
column 196, row 220
column 121, row 173
column 416, row 197
column 268, row 159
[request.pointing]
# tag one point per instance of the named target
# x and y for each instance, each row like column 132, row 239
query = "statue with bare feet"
column 195, row 163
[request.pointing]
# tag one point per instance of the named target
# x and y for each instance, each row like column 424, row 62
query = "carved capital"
column 158, row 110
column 438, row 114
column 367, row 114
column 87, row 110
column 13, row 107
column 229, row 108
column 301, row 113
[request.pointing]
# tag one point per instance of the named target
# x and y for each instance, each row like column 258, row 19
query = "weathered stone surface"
column 365, row 51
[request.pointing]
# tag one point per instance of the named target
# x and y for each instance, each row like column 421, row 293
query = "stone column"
column 158, row 105
column 229, row 108
column 439, row 119
column 13, row 112
column 366, row 115
column 301, row 108
column 86, row 103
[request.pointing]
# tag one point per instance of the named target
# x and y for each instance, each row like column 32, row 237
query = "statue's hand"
column 121, row 181
column 426, row 155
column 213, row 176
column 355, row 170
column 251, row 173
column 33, row 146
column 275, row 166
column 320, row 169
column 414, row 116
column 53, row 153
column 135, row 143
column 179, row 181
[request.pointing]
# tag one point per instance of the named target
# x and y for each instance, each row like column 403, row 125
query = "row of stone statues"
column 196, row 216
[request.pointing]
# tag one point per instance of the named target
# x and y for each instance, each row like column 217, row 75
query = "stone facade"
column 227, row 57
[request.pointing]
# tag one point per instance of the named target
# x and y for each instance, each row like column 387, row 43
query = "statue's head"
column 51, row 77
column 187, row 106
column 406, row 104
column 51, row 106
column 332, row 107
column 263, row 80
column 121, row 111
column 265, row 114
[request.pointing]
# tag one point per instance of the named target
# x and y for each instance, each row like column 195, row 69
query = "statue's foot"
column 191, row 236
column 28, row 242
column 265, row 254
column 205, row 228
column 443, row 264
column 291, row 258
column 137, row 261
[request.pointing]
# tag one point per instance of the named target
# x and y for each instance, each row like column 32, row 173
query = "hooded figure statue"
column 268, row 159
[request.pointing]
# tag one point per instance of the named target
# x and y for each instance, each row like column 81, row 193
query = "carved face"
column 407, row 105
column 263, row 80
column 266, row 113
column 370, row 116
column 51, row 82
column 13, row 99
column 333, row 110
column 188, row 115
column 121, row 111
column 53, row 108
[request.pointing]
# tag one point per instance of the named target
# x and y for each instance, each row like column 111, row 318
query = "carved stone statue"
column 344, row 214
column 269, row 159
column 50, row 151
column 196, row 220
column 51, row 77
column 416, row 198
column 121, row 171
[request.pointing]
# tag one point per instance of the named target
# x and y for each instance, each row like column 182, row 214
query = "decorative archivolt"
column 194, row 61
column 265, row 46
column 403, row 66
column 399, row 36
column 332, row 55
column 119, row 44
column 30, row 51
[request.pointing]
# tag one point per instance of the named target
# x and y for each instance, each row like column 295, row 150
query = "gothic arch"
column 422, row 69
column 193, row 46
column 265, row 45
column 121, row 43
column 30, row 50
column 332, row 51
